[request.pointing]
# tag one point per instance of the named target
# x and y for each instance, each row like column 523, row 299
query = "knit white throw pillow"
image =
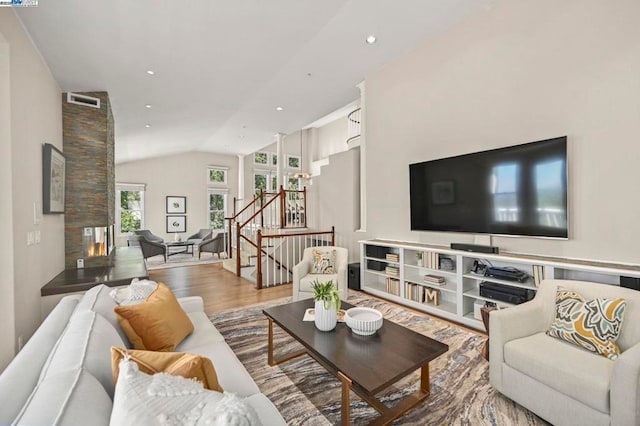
column 134, row 293
column 166, row 400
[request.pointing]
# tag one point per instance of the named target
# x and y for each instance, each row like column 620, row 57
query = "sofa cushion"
column 141, row 399
column 158, row 324
column 306, row 282
column 22, row 374
column 323, row 261
column 232, row 375
column 86, row 343
column 67, row 398
column 266, row 411
column 592, row 324
column 204, row 333
column 98, row 299
column 181, row 364
column 576, row 372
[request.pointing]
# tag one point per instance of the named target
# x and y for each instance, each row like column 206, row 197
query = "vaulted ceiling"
column 222, row 67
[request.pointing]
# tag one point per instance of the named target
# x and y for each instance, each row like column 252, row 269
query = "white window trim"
column 220, row 168
column 129, row 187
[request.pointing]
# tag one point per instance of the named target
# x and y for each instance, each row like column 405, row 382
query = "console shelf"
column 459, row 295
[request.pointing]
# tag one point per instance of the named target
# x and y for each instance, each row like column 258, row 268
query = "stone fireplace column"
column 88, row 134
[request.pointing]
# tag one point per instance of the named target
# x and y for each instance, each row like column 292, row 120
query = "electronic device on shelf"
column 506, row 293
column 507, row 273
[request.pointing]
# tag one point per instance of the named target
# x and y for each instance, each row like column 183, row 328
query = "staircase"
column 268, row 236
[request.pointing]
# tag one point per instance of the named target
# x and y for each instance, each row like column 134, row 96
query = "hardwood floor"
column 219, row 288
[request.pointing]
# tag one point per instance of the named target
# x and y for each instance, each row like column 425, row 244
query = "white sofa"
column 63, row 374
column 563, row 383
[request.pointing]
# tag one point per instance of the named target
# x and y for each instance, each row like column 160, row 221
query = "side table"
column 485, row 311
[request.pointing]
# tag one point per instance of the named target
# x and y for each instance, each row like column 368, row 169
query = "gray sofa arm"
column 510, row 324
column 625, row 388
column 192, row 304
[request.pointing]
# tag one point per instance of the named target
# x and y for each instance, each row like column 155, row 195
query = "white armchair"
column 303, row 279
column 562, row 383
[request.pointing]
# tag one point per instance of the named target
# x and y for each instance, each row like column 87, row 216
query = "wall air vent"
column 90, row 101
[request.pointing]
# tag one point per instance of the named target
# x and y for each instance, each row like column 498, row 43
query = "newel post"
column 259, row 260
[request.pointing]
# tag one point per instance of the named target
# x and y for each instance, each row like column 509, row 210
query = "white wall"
column 35, row 118
column 330, row 139
column 333, row 200
column 179, row 175
column 520, row 72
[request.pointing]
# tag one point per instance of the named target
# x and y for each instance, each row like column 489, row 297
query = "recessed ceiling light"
column 371, row 39
column 279, row 108
column 147, row 125
column 150, row 72
column 147, row 106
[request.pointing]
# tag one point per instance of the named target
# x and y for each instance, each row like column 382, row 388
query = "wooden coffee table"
column 366, row 365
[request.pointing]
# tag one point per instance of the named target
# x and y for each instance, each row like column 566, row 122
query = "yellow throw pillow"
column 158, row 324
column 182, row 364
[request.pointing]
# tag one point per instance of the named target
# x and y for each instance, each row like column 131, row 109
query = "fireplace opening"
column 98, row 241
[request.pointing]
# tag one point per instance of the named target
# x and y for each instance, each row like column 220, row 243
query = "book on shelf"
column 434, row 279
column 414, row 292
column 392, row 270
column 538, row 274
column 393, row 286
column 393, row 257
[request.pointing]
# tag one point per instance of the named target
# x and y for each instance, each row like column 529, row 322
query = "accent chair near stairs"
column 304, row 276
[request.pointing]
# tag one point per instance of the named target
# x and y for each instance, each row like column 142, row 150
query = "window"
column 217, row 175
column 129, row 208
column 274, row 159
column 293, row 183
column 293, row 161
column 261, row 158
column 264, row 180
column 217, row 208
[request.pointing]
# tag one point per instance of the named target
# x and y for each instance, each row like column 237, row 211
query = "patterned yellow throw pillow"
column 324, row 262
column 592, row 324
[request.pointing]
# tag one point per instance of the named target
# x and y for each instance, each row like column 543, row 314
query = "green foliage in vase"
column 326, row 292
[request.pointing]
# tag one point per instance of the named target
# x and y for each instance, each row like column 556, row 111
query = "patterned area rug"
column 178, row 260
column 306, row 394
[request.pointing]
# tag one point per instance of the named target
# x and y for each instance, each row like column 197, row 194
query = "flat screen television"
column 516, row 190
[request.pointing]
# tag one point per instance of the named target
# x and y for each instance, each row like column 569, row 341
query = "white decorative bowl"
column 363, row 321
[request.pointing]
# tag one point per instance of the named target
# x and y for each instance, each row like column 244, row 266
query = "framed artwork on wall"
column 176, row 224
column 176, row 204
column 53, row 179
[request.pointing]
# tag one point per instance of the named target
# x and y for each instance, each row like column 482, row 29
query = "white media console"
column 393, row 270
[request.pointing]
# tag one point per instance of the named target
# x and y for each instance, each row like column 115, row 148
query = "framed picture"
column 176, row 204
column 176, row 224
column 53, row 179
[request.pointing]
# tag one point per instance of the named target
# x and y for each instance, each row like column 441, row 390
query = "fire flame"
column 97, row 249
